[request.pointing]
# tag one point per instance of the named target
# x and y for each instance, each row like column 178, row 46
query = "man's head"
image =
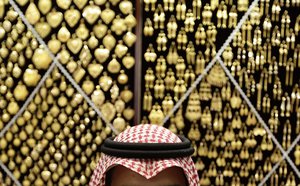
column 122, row 176
column 142, row 169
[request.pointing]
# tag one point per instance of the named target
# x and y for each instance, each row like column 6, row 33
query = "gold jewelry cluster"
column 231, row 145
column 56, row 139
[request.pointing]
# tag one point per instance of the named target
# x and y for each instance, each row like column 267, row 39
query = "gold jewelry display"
column 263, row 58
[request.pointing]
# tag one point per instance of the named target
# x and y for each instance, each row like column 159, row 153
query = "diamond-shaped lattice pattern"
column 58, row 137
column 22, row 63
column 264, row 59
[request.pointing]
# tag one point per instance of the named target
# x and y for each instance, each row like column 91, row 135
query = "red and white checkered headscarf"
column 148, row 168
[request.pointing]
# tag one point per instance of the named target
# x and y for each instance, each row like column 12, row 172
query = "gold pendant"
column 108, row 110
column 118, row 25
column 43, row 28
column 54, row 45
column 32, row 14
column 119, row 123
column 109, row 41
column 64, row 4
column 100, row 30
column 98, row 97
column 54, row 18
column 22, row 2
column 105, row 82
column 45, row 6
column 91, row 13
column 80, row 3
column 95, row 69
column 128, row 61
column 121, row 49
column 31, row 77
column 101, row 54
column 126, row 95
column 122, row 78
column 74, row 44
column 129, row 38
column 63, row 34
column 126, row 7
column 41, row 59
column 72, row 16
column 114, row 66
column 128, row 113
column 107, row 15
column 20, row 92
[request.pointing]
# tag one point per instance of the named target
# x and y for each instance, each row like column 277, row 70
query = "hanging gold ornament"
column 95, row 69
column 109, row 41
column 54, row 18
column 41, row 58
column 126, row 7
column 102, row 54
column 45, row 6
column 107, row 15
column 114, row 66
column 72, row 16
column 64, row 4
column 74, row 44
column 63, row 34
column 31, row 77
column 129, row 38
column 80, row 3
column 32, row 13
column 105, row 82
column 108, row 110
column 128, row 61
column 100, row 30
column 91, row 13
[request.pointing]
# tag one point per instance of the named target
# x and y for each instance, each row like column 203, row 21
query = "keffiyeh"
column 148, row 168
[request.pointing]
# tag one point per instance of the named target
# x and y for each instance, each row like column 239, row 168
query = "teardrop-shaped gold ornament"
column 64, row 4
column 80, row 3
column 98, row 97
column 119, row 123
column 95, row 69
column 72, row 16
column 101, row 54
column 108, row 110
column 109, row 41
column 45, row 6
column 121, row 50
column 105, row 82
column 126, row 7
column 91, row 13
column 88, row 86
column 100, row 30
column 74, row 45
column 114, row 92
column 41, row 59
column 31, row 77
column 128, row 113
column 128, row 61
column 43, row 28
column 107, row 15
column 54, row 45
column 32, row 13
column 63, row 34
column 22, row 2
column 54, row 18
column 20, row 92
column 126, row 95
column 114, row 66
column 129, row 38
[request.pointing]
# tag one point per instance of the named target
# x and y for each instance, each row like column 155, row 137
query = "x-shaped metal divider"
column 217, row 58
